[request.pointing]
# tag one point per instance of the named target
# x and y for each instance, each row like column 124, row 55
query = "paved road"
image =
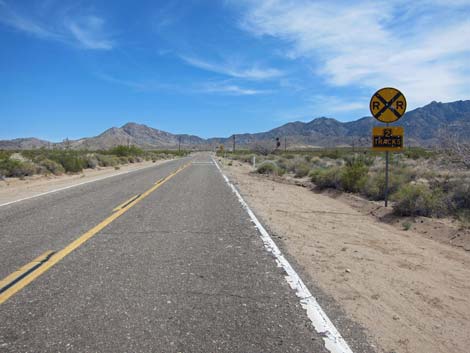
column 182, row 270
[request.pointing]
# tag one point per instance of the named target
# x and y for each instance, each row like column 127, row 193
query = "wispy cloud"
column 230, row 89
column 87, row 31
column 232, row 70
column 12, row 19
column 420, row 46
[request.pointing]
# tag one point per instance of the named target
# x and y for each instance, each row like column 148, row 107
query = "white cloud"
column 229, row 88
column 416, row 46
column 88, row 31
column 14, row 20
column 253, row 73
column 85, row 31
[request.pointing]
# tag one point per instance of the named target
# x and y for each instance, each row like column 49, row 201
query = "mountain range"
column 423, row 127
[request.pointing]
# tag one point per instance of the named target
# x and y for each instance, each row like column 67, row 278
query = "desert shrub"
column 418, row 200
column 107, row 160
column 52, row 166
column 353, row 174
column 461, row 194
column 301, row 170
column 122, row 151
column 374, row 185
column 464, row 217
column 91, row 161
column 308, row 158
column 247, row 158
column 72, row 164
column 15, row 168
column 270, row 167
column 123, row 160
column 5, row 154
column 326, row 177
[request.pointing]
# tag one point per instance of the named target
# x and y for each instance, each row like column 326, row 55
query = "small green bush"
column 301, row 170
column 107, row 160
column 91, row 161
column 353, row 174
column 270, row 168
column 73, row 164
column 460, row 194
column 326, row 177
column 418, row 200
column 374, row 186
column 15, row 168
column 52, row 166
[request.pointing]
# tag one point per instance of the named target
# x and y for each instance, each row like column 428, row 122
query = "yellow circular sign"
column 388, row 105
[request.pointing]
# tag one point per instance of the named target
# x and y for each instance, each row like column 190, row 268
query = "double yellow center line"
column 29, row 272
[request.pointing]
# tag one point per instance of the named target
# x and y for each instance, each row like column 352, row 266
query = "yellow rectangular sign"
column 388, row 138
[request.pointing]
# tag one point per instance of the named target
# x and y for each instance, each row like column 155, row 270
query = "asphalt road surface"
column 180, row 269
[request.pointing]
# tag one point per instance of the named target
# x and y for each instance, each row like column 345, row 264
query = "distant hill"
column 23, row 144
column 422, row 127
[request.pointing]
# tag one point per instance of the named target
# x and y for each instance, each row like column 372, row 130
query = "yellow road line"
column 76, row 243
column 159, row 181
column 20, row 272
column 125, row 203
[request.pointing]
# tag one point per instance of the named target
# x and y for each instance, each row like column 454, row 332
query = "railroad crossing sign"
column 387, row 138
column 388, row 105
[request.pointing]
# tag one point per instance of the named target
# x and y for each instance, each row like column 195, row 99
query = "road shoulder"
column 409, row 292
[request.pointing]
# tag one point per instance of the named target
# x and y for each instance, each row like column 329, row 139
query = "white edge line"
column 79, row 184
column 334, row 342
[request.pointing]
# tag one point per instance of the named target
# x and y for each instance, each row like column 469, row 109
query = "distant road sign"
column 388, row 105
column 387, row 138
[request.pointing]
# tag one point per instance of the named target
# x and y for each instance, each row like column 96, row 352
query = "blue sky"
column 214, row 68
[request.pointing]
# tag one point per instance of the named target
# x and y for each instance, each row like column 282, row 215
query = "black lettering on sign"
column 375, row 105
column 400, row 105
column 388, row 139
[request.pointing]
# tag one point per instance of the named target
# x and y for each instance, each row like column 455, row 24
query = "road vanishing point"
column 164, row 259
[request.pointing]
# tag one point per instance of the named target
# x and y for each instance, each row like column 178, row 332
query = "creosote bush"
column 418, row 200
column 270, row 167
column 326, row 177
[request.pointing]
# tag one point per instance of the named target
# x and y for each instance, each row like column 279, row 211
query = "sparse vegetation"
column 421, row 182
column 47, row 161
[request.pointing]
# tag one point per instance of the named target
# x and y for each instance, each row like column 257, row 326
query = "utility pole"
column 233, row 150
column 179, row 144
column 285, row 144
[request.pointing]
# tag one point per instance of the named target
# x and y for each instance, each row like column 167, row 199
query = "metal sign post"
column 387, row 105
column 386, row 177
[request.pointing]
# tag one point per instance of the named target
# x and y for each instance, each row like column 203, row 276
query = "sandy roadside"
column 12, row 189
column 410, row 293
